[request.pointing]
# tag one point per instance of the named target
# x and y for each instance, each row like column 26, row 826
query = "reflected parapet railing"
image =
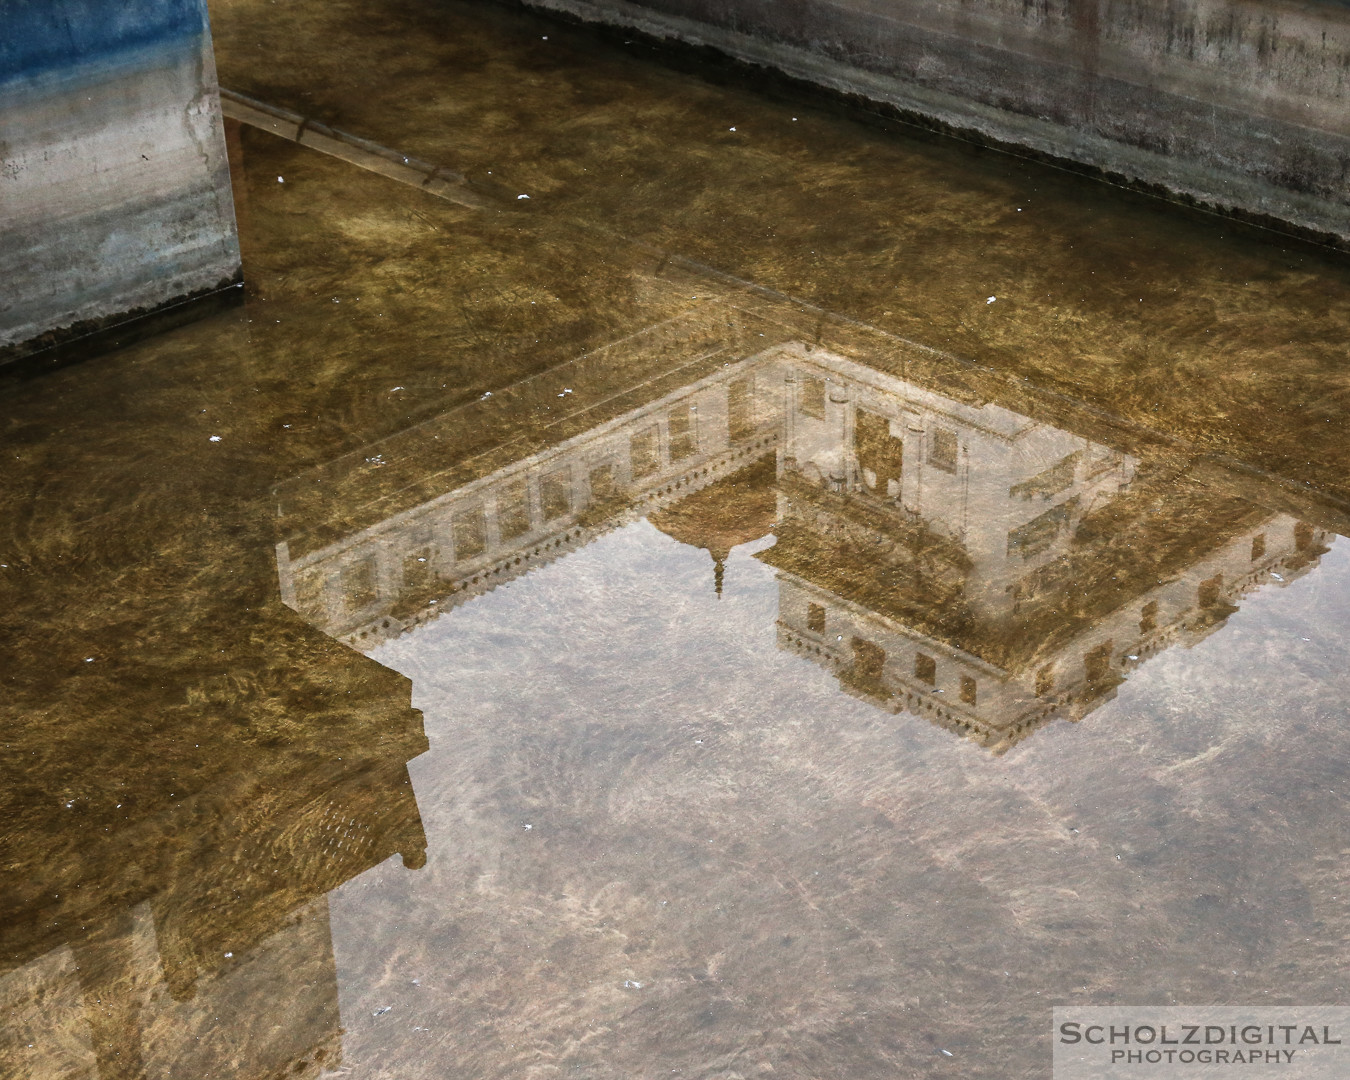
column 937, row 551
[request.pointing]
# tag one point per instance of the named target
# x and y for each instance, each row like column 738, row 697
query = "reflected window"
column 1045, row 681
column 469, row 533
column 1052, row 481
column 604, row 482
column 513, row 510
column 942, row 448
column 644, row 451
column 868, row 661
column 358, row 584
column 417, row 568
column 1258, row 546
column 925, row 669
column 1040, row 532
column 881, row 456
column 969, row 690
column 1207, row 595
column 812, row 400
column 683, row 423
column 815, row 618
column 1148, row 617
column 555, row 494
column 741, row 409
column 1097, row 664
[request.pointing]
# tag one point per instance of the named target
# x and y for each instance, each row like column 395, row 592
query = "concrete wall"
column 1238, row 105
column 114, row 189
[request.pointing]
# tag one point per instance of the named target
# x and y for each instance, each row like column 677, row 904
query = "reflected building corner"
column 948, row 557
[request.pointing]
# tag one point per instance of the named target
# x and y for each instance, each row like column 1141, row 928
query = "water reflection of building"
column 492, row 528
column 940, row 553
column 167, row 915
column 960, row 561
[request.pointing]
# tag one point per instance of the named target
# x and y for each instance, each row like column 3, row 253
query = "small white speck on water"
column 214, row 438
column 522, row 196
column 280, row 180
column 991, row 299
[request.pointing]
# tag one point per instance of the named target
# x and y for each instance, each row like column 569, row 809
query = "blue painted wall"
column 42, row 38
column 114, row 187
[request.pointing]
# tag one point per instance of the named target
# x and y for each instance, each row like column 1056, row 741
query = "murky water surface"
column 789, row 598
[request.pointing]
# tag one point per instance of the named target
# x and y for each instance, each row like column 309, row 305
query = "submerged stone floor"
column 791, row 597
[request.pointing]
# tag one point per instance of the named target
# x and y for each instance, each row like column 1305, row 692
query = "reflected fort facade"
column 939, row 553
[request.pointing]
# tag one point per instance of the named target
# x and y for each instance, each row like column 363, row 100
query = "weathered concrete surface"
column 1240, row 106
column 114, row 188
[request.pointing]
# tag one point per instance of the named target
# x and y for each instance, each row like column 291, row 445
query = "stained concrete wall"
column 1242, row 106
column 114, row 189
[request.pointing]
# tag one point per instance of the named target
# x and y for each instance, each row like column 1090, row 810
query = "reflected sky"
column 657, row 836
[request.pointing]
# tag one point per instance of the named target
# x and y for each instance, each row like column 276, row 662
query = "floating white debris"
column 529, row 826
column 991, row 300
column 630, row 984
column 228, row 955
column 215, row 438
column 280, row 180
column 947, row 1052
column 522, row 196
column 382, row 1011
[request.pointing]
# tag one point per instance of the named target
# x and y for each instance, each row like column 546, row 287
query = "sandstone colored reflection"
column 944, row 556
